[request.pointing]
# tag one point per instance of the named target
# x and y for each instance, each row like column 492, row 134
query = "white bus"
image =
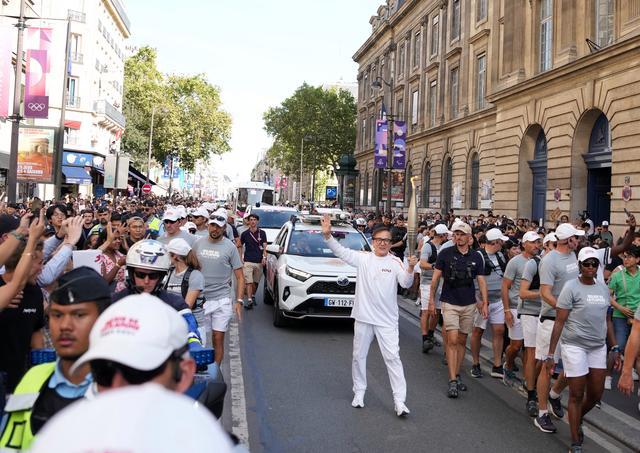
column 249, row 194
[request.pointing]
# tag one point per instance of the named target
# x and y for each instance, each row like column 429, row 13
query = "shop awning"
column 135, row 174
column 72, row 124
column 4, row 160
column 76, row 175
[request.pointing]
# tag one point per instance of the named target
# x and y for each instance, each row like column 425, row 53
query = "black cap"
column 82, row 284
column 8, row 223
column 102, row 209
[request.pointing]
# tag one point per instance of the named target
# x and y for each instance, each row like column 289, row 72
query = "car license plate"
column 335, row 302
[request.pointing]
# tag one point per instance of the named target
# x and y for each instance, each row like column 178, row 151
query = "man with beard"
column 46, row 389
column 87, row 225
column 104, row 217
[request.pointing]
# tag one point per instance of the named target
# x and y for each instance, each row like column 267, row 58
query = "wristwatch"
column 239, row 301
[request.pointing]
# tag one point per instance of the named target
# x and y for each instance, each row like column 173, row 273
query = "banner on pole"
column 380, row 154
column 399, row 144
column 36, row 149
column 5, row 69
column 36, row 101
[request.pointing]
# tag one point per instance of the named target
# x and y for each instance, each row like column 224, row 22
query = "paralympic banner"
column 36, row 151
column 380, row 154
column 36, row 101
column 399, row 144
column 5, row 69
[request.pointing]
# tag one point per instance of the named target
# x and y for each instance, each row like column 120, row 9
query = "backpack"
column 184, row 288
column 434, row 253
column 488, row 264
column 535, row 281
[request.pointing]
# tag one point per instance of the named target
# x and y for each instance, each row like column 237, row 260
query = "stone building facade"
column 530, row 108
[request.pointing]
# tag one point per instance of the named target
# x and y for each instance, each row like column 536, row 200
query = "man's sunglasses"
column 218, row 218
column 170, row 222
column 151, row 275
column 590, row 263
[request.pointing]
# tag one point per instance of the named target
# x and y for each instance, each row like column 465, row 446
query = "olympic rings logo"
column 36, row 107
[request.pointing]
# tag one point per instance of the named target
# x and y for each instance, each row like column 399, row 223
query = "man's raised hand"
column 326, row 226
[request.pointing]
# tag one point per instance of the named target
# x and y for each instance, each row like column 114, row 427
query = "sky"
column 256, row 51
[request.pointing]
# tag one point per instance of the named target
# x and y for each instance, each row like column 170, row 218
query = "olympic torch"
column 412, row 219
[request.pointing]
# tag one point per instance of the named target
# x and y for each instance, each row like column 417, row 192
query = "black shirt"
column 397, row 235
column 458, row 273
column 17, row 325
column 253, row 245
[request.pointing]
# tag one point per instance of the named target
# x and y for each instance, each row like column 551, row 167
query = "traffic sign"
column 331, row 192
column 146, row 189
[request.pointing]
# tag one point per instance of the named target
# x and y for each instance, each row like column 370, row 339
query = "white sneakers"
column 401, row 409
column 358, row 401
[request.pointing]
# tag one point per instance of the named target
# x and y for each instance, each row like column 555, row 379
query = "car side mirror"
column 274, row 249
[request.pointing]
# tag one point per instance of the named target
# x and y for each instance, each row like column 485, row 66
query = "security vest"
column 17, row 434
column 154, row 225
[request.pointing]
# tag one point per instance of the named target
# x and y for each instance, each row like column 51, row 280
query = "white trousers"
column 388, row 342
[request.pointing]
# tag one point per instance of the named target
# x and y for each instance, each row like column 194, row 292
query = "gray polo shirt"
column 218, row 260
column 557, row 269
column 586, row 326
column 514, row 271
column 165, row 238
column 494, row 279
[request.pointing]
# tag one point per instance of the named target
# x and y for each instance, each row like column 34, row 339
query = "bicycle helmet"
column 150, row 255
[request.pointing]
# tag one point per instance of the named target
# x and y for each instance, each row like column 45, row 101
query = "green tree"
column 188, row 121
column 325, row 119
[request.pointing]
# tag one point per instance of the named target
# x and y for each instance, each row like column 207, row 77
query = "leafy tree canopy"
column 189, row 122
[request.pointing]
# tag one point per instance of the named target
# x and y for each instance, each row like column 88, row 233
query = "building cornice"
column 115, row 8
column 582, row 64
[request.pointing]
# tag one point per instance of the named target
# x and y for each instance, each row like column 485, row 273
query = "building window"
column 72, row 92
column 417, row 45
column 604, row 22
column 481, row 10
column 433, row 99
column 373, row 77
column 474, row 182
column 455, row 20
column 400, row 108
column 435, row 34
column 546, row 34
column 481, row 80
column 372, row 129
column 365, row 195
column 426, row 183
column 400, row 68
column 453, row 92
column 365, row 86
column 363, row 132
column 414, row 107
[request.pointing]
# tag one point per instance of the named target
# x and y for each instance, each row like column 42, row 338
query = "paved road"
column 297, row 385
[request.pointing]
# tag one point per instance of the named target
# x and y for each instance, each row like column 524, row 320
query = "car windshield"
column 311, row 243
column 272, row 219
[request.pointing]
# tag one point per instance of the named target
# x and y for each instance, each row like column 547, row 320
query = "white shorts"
column 425, row 291
column 577, row 361
column 218, row 313
column 529, row 325
column 515, row 331
column 543, row 338
column 496, row 316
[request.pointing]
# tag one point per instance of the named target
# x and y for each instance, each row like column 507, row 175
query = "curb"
column 608, row 420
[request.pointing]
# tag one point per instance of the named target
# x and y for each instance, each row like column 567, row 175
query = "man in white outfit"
column 375, row 310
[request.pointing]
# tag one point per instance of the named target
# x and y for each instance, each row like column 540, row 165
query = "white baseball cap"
column 530, row 236
column 461, row 226
column 182, row 212
column 171, row 214
column 549, row 237
column 566, row 230
column 200, row 212
column 179, row 247
column 151, row 417
column 218, row 218
column 139, row 331
column 441, row 229
column 588, row 253
column 605, row 223
column 494, row 234
column 189, row 225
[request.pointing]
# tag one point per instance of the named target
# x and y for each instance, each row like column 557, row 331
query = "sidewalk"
column 618, row 416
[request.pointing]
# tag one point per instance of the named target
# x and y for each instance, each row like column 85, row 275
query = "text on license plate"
column 336, row 302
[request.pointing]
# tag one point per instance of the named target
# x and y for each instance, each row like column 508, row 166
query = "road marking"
column 239, row 424
column 588, row 431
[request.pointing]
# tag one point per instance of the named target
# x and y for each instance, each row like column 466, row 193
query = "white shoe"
column 607, row 383
column 358, row 401
column 634, row 373
column 401, row 409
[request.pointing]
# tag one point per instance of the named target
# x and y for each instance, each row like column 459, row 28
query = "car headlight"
column 297, row 274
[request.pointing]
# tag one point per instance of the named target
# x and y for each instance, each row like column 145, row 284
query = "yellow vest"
column 155, row 224
column 17, row 434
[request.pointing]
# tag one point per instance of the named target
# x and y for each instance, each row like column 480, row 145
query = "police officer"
column 81, row 296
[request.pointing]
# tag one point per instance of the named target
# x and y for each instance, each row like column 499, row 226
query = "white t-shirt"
column 377, row 277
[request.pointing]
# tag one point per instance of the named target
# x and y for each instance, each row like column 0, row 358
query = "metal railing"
column 105, row 108
column 77, row 16
column 73, row 102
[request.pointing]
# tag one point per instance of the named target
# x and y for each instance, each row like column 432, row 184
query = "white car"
column 304, row 278
column 272, row 218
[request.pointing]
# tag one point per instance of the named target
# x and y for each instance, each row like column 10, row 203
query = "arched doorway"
column 473, row 182
column 426, row 183
column 447, row 185
column 598, row 162
column 538, row 167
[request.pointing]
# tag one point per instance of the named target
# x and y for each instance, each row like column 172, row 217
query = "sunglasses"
column 151, row 275
column 218, row 218
column 589, row 263
column 170, row 222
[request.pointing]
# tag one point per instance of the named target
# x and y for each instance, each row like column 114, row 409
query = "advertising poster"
column 399, row 144
column 486, row 194
column 397, row 186
column 457, row 195
column 380, row 153
column 36, row 151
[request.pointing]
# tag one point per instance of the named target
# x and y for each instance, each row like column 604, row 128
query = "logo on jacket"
column 343, row 281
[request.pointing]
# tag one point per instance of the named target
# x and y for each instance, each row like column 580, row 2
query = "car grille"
column 331, row 288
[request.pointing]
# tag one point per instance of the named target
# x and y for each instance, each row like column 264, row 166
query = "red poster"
column 36, row 151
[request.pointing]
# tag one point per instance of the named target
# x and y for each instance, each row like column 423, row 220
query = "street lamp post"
column 300, row 185
column 377, row 83
column 153, row 115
